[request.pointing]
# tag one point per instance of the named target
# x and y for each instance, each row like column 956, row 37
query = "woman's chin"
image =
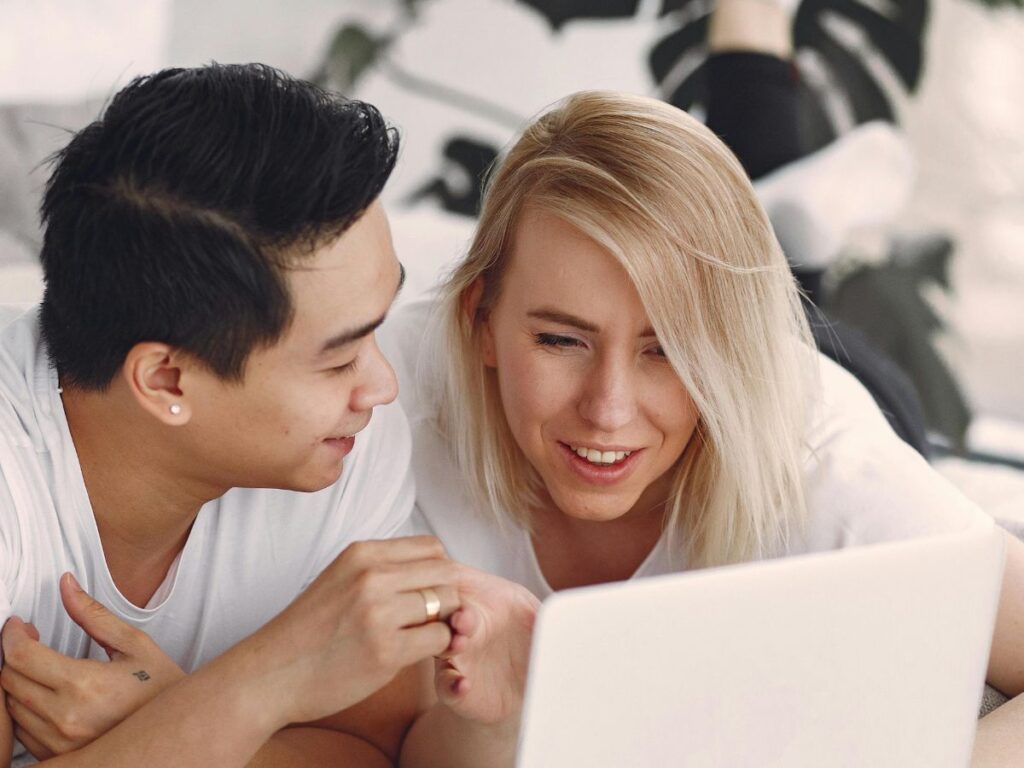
column 599, row 510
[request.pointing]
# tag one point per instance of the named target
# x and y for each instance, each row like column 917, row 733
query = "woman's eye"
column 554, row 340
column 657, row 351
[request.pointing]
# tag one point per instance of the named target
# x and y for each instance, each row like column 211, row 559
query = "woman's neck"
column 575, row 553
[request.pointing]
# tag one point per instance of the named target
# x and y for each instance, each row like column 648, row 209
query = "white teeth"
column 595, row 456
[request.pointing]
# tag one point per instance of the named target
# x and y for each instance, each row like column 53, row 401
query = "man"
column 216, row 264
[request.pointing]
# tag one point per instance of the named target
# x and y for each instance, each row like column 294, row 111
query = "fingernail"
column 73, row 582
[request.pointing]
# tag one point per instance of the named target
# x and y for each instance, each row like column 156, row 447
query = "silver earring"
column 175, row 409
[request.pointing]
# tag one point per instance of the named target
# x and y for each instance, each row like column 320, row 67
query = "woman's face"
column 590, row 398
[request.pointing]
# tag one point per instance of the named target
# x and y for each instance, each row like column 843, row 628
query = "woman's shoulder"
column 862, row 483
column 445, row 509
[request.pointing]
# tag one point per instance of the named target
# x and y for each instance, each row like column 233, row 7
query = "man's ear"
column 152, row 371
column 485, row 336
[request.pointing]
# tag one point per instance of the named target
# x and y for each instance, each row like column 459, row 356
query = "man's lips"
column 345, row 443
column 342, row 444
column 349, row 435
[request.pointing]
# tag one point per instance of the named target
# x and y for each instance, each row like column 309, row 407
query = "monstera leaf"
column 895, row 36
column 558, row 12
column 351, row 53
column 836, row 36
column 459, row 186
column 886, row 303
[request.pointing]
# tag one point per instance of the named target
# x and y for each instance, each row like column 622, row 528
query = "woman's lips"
column 600, row 474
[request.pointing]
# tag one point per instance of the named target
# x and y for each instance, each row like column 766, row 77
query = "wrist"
column 497, row 732
column 254, row 685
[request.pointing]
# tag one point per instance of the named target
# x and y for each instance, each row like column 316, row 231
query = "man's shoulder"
column 20, row 352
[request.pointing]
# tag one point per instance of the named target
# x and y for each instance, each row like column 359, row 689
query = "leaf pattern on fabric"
column 887, row 304
column 834, row 39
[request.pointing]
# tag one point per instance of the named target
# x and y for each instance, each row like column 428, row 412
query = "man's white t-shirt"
column 863, row 484
column 248, row 555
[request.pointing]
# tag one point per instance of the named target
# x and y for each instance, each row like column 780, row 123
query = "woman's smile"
column 587, row 391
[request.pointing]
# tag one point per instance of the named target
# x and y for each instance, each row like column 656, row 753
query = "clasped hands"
column 361, row 621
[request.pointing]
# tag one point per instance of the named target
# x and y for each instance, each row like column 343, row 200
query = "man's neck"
column 142, row 497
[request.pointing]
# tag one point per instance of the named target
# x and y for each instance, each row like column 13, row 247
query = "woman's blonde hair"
column 672, row 204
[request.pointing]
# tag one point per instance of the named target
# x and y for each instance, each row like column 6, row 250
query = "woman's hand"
column 60, row 704
column 482, row 677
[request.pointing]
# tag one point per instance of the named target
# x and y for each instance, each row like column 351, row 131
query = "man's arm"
column 343, row 639
column 6, row 735
column 366, row 735
column 61, row 704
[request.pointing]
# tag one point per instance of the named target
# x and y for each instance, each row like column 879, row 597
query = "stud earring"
column 175, row 409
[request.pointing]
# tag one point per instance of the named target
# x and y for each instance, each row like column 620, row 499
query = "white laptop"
column 868, row 657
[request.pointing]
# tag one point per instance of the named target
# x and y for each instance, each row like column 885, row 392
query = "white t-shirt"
column 863, row 484
column 248, row 555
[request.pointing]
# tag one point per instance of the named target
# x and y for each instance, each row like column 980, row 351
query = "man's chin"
column 312, row 482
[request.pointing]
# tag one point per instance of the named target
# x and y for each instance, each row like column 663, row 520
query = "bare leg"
column 755, row 26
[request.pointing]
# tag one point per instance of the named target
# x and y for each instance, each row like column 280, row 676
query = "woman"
column 618, row 381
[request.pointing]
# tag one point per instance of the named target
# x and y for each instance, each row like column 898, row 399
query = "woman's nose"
column 608, row 400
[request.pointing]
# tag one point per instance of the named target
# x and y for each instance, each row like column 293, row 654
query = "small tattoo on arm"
column 142, row 675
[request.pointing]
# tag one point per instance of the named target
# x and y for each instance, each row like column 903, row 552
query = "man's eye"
column 554, row 340
column 348, row 367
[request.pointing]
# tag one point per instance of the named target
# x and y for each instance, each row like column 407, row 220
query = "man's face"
column 303, row 400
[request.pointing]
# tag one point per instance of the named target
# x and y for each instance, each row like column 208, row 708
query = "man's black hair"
column 172, row 217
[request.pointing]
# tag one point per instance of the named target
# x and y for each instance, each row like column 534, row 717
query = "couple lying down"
column 203, row 557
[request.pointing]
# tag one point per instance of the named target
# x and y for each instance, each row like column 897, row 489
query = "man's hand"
column 360, row 622
column 350, row 632
column 60, row 704
column 483, row 676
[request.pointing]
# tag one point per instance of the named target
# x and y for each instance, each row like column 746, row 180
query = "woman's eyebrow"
column 564, row 318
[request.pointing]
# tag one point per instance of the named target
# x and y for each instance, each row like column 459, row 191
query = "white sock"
column 862, row 179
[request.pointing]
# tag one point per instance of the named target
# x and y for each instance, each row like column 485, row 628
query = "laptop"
column 869, row 657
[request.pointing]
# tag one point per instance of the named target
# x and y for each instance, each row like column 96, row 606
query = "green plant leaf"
column 351, row 53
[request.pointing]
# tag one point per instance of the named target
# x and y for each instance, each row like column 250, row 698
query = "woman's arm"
column 443, row 739
column 478, row 686
column 1006, row 662
column 1000, row 737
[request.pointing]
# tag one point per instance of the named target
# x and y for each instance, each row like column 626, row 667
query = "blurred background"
column 938, row 285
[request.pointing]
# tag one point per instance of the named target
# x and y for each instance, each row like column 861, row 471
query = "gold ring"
column 431, row 604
